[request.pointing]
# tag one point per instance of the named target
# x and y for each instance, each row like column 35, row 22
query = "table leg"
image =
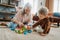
column 58, row 24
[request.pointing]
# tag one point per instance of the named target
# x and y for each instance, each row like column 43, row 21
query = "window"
column 56, row 7
column 33, row 4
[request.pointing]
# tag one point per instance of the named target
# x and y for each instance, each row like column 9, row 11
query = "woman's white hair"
column 28, row 6
column 44, row 10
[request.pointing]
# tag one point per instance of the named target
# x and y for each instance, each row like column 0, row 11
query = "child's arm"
column 40, row 22
column 36, row 24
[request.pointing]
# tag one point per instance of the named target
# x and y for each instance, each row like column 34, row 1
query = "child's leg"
column 45, row 32
column 48, row 31
column 47, row 28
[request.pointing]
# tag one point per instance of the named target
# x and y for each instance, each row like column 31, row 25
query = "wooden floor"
column 7, row 34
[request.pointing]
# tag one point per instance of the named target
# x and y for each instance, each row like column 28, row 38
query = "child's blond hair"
column 44, row 10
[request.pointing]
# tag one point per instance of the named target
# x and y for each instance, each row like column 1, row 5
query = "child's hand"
column 42, row 34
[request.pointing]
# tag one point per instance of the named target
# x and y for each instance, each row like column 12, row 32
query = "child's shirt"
column 44, row 23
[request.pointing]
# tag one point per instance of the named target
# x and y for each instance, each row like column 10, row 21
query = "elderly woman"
column 43, row 21
column 23, row 17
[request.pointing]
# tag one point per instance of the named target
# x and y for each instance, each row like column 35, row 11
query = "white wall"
column 39, row 3
column 20, row 3
column 35, row 6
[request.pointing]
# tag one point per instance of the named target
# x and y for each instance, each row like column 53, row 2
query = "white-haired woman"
column 23, row 17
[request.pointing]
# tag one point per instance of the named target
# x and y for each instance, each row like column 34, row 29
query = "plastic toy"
column 23, row 30
column 20, row 30
column 12, row 29
column 29, row 31
column 12, row 25
column 28, row 27
column 9, row 24
column 16, row 30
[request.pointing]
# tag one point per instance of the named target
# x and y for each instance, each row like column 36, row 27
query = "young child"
column 43, row 21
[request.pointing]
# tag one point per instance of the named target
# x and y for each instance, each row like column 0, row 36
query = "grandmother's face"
column 27, row 10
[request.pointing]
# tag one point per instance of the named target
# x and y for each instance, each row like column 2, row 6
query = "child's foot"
column 42, row 34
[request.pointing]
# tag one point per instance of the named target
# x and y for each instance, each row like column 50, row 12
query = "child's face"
column 41, row 16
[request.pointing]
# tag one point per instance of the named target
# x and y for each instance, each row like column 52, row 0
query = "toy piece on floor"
column 20, row 30
column 28, row 27
column 12, row 25
column 23, row 30
column 28, row 30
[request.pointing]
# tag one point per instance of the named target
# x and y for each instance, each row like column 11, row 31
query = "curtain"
column 49, row 5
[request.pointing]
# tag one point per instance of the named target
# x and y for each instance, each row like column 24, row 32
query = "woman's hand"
column 21, row 24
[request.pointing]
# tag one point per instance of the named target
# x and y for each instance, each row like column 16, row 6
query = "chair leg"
column 58, row 24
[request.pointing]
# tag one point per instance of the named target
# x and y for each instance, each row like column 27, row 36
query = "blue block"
column 29, row 31
column 12, row 29
column 12, row 25
column 25, row 32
